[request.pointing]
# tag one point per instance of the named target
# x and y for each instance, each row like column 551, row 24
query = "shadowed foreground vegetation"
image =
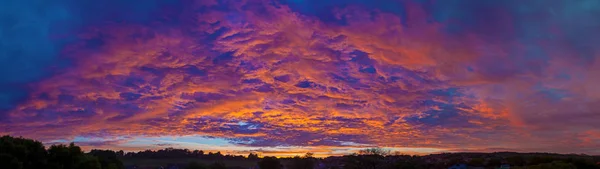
column 21, row 153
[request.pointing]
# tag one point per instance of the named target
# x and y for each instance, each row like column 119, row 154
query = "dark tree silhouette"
column 252, row 156
column 478, row 162
column 374, row 151
column 364, row 162
column 217, row 165
column 198, row 153
column 195, row 165
column 9, row 161
column 408, row 162
column 552, row 165
column 494, row 162
column 86, row 161
column 108, row 158
column 582, row 163
column 302, row 163
column 172, row 153
column 70, row 157
column 535, row 160
column 22, row 153
column 516, row 160
column 270, row 163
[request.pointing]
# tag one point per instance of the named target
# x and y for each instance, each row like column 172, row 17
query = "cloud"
column 48, row 27
column 264, row 74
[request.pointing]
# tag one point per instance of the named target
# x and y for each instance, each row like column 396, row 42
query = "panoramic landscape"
column 299, row 84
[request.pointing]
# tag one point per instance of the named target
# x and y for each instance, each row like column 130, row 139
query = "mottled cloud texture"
column 449, row 75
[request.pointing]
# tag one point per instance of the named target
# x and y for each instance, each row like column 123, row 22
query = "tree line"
column 22, row 153
column 178, row 153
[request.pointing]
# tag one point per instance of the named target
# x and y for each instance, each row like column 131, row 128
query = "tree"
column 306, row 162
column 108, row 159
column 195, row 165
column 494, row 162
column 410, row 163
column 364, row 162
column 516, row 160
column 70, row 157
column 198, row 153
column 582, row 163
column 270, row 163
column 540, row 160
column 476, row 162
column 252, row 156
column 113, row 166
column 21, row 153
column 87, row 162
column 9, row 161
column 217, row 165
column 553, row 165
column 60, row 157
column 26, row 153
column 309, row 155
column 374, row 151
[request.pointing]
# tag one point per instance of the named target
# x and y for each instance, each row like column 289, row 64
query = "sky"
column 286, row 77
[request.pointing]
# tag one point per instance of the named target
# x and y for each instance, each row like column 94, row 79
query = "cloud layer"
column 451, row 75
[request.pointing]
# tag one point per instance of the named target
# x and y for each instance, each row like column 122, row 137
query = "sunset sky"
column 286, row 77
